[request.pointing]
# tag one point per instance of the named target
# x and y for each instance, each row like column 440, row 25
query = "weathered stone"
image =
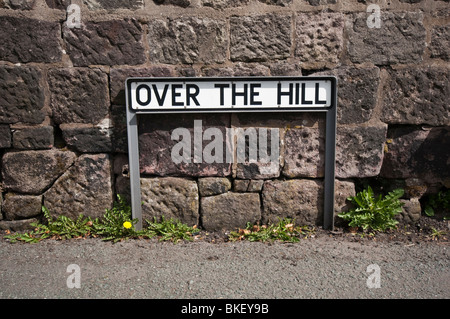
column 304, row 153
column 440, row 42
column 223, row 4
column 343, row 190
column 58, row 4
column 179, row 3
column 283, row 3
column 17, row 225
column 29, row 40
column 417, row 96
column 21, row 95
column 239, row 69
column 119, row 129
column 260, row 38
column 188, row 40
column 32, row 172
column 319, row 39
column 411, row 211
column 170, row 197
column 417, row 153
column 357, row 96
column 119, row 75
column 21, row 206
column 19, row 4
column 5, row 136
column 285, row 68
column 78, row 95
column 230, row 211
column 240, row 185
column 88, row 138
column 299, row 199
column 208, row 186
column 255, row 185
column 321, row 2
column 85, row 188
column 113, row 42
column 33, row 138
column 359, row 152
column 114, row 4
column 156, row 145
column 400, row 39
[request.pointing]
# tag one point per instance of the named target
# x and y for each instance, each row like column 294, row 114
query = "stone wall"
column 62, row 119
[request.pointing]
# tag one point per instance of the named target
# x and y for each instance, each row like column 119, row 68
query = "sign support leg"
column 330, row 153
column 133, row 158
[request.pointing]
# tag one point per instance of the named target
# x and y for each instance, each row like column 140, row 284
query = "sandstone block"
column 179, row 3
column 319, row 39
column 114, row 42
column 170, row 197
column 400, row 39
column 298, row 199
column 223, row 4
column 18, row 207
column 17, row 225
column 417, row 96
column 5, row 136
column 440, row 42
column 260, row 38
column 33, row 138
column 87, row 138
column 156, row 145
column 282, row 3
column 85, row 188
column 188, row 40
column 208, row 186
column 21, row 94
column 58, row 4
column 32, row 172
column 230, row 211
column 417, row 153
column 411, row 211
column 357, row 96
column 29, row 40
column 19, row 4
column 78, row 95
column 114, row 4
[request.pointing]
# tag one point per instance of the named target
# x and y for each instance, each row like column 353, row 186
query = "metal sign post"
column 225, row 95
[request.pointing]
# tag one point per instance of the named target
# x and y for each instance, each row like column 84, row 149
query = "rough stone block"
column 113, row 42
column 440, row 42
column 29, row 40
column 156, row 145
column 238, row 69
column 33, row 138
column 18, row 225
column 282, row 3
column 299, row 199
column 78, row 95
column 359, row 152
column 411, row 211
column 188, row 40
column 319, row 39
column 240, row 185
column 87, row 138
column 178, row 3
column 21, row 206
column 5, row 136
column 19, row 4
column 208, row 186
column 223, row 4
column 21, row 95
column 32, row 172
column 85, row 188
column 230, row 211
column 114, row 4
column 58, row 4
column 400, row 39
column 260, row 38
column 119, row 129
column 170, row 197
column 418, row 153
column 119, row 75
column 417, row 96
column 357, row 95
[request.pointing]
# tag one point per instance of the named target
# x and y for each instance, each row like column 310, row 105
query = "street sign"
column 236, row 94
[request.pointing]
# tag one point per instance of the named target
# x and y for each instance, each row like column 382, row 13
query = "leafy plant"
column 171, row 229
column 374, row 212
column 284, row 230
column 437, row 201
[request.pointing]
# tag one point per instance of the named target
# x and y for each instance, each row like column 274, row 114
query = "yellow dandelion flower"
column 127, row 225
